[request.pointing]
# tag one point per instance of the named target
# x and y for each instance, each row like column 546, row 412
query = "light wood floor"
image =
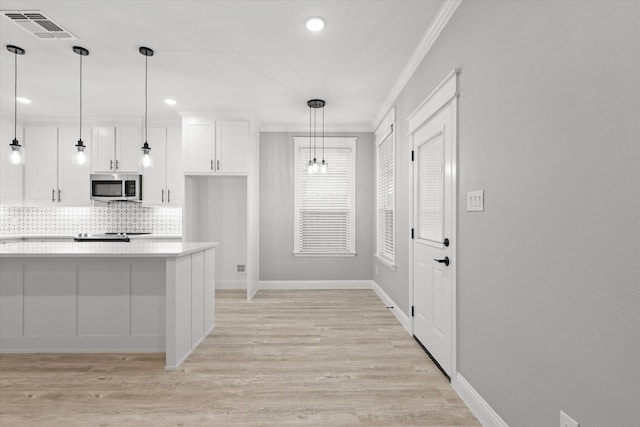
column 319, row 358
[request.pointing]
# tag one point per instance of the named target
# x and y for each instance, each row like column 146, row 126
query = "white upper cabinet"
column 52, row 175
column 154, row 180
column 162, row 182
column 175, row 177
column 218, row 148
column 232, row 143
column 41, row 165
column 73, row 178
column 116, row 149
column 128, row 148
column 11, row 183
column 199, row 147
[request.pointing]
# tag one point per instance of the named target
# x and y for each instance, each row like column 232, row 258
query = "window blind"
column 325, row 202
column 386, row 199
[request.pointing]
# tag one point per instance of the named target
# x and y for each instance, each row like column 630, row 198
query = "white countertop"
column 69, row 236
column 103, row 249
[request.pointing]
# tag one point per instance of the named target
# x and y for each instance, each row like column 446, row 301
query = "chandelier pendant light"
column 146, row 149
column 15, row 156
column 80, row 156
column 313, row 166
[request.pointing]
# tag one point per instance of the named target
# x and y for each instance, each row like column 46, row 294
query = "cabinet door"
column 104, row 140
column 73, row 178
column 199, row 147
column 41, row 165
column 232, row 142
column 10, row 175
column 175, row 177
column 128, row 149
column 154, row 192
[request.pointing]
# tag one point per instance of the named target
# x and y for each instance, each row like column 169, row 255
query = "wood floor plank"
column 317, row 358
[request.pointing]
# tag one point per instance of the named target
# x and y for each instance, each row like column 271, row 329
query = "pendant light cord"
column 146, row 60
column 15, row 97
column 80, row 99
column 315, row 124
column 323, row 134
column 309, row 133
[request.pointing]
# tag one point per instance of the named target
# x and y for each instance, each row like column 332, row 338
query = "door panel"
column 154, row 192
column 432, row 280
column 232, row 139
column 199, row 147
column 128, row 148
column 74, row 178
column 41, row 165
column 104, row 140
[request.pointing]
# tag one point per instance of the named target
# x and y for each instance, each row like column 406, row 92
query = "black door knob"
column 444, row 261
column 446, row 242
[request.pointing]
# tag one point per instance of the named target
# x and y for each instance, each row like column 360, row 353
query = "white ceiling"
column 215, row 56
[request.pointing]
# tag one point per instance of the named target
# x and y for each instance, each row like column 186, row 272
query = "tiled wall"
column 116, row 217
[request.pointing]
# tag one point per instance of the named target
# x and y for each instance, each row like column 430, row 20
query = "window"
column 386, row 200
column 324, row 203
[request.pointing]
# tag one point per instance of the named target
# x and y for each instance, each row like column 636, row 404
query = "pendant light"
column 313, row 166
column 15, row 157
column 80, row 156
column 146, row 150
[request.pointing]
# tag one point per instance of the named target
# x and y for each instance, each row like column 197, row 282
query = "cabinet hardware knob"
column 211, row 164
column 110, row 164
column 59, row 195
column 168, row 196
column 163, row 195
column 117, row 164
column 53, row 195
column 218, row 164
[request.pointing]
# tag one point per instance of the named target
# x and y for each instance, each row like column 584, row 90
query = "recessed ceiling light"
column 23, row 100
column 315, row 24
column 170, row 101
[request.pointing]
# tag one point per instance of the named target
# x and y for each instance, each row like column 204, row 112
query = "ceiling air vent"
column 38, row 24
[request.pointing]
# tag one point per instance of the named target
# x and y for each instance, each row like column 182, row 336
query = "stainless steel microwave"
column 115, row 187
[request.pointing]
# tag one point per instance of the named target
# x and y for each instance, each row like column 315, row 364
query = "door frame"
column 445, row 94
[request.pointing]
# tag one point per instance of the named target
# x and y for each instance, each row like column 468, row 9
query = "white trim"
column 325, row 254
column 384, row 128
column 487, row 416
column 428, row 39
column 400, row 315
column 296, row 128
column 316, row 284
column 231, row 284
column 385, row 262
column 436, row 101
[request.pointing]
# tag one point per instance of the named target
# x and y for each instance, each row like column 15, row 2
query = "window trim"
column 386, row 130
column 329, row 142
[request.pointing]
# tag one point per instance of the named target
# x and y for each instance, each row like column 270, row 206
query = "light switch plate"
column 567, row 421
column 475, row 201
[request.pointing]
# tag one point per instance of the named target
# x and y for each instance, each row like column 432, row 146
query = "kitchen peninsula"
column 107, row 297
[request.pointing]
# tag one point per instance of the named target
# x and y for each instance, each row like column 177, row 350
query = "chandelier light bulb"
column 310, row 167
column 146, row 160
column 81, row 158
column 324, row 167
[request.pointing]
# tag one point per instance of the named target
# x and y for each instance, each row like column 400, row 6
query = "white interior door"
column 433, row 256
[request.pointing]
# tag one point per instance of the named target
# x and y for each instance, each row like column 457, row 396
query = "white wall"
column 548, row 274
column 217, row 212
column 276, row 215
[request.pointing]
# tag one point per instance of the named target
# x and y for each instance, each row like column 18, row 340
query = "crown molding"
column 428, row 39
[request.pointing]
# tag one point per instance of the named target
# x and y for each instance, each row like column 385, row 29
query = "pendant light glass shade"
column 146, row 149
column 15, row 156
column 80, row 157
column 314, row 166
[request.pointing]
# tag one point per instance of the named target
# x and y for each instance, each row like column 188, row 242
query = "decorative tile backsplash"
column 116, row 217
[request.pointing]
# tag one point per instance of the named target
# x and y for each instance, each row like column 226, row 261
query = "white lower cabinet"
column 162, row 182
column 52, row 176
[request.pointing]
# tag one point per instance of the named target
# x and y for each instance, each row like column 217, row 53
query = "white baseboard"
column 231, row 284
column 480, row 408
column 316, row 284
column 400, row 315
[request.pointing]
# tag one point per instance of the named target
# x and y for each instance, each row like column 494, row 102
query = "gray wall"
column 276, row 215
column 548, row 274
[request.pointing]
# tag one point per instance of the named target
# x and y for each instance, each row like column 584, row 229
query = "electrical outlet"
column 240, row 268
column 567, row 421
